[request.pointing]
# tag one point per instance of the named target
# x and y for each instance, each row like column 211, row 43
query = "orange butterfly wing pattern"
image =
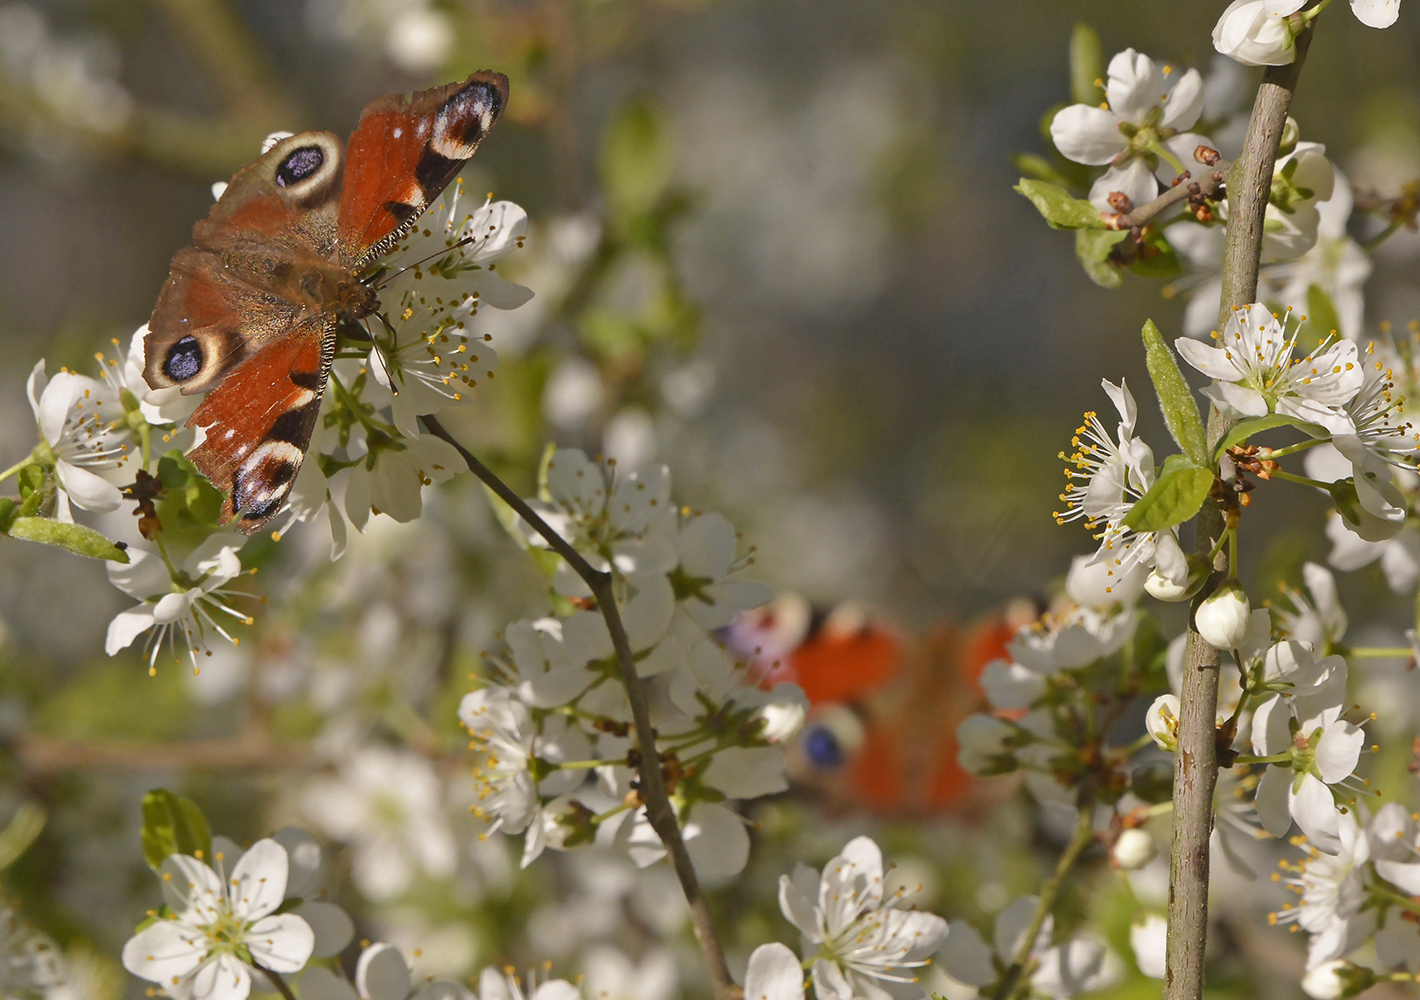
column 250, row 312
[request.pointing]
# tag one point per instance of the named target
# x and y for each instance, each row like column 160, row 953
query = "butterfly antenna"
column 466, row 241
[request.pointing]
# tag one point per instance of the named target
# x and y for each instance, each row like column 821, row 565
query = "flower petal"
column 1184, row 104
column 1376, row 13
column 86, row 489
column 331, row 926
column 1087, row 135
column 382, row 973
column 164, row 951
column 774, row 973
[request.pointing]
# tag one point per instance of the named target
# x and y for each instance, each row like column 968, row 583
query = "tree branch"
column 1209, row 185
column 653, row 786
column 1249, row 183
column 277, row 981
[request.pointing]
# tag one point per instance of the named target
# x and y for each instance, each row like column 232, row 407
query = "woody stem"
column 659, row 812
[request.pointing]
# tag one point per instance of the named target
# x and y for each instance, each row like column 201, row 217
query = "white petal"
column 1211, row 361
column 331, row 926
column 1087, row 135
column 127, row 626
column 1149, row 941
column 716, row 840
column 1270, row 732
column 707, row 546
column 774, row 973
column 86, row 489
column 224, row 978
column 966, row 956
column 381, row 973
column 282, row 943
column 35, row 386
column 303, row 858
column 747, row 772
column 54, row 405
column 1403, row 875
column 1314, row 809
column 319, row 983
column 1134, row 180
column 1376, row 13
column 258, row 881
column 1338, row 751
column 1184, row 104
column 798, row 898
column 1135, row 86
column 1271, row 802
column 1013, row 922
column 164, row 950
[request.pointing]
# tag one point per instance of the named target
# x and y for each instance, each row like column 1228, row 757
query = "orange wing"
column 405, row 151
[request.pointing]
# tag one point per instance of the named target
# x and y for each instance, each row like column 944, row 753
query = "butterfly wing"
column 405, row 151
column 242, row 316
column 258, row 423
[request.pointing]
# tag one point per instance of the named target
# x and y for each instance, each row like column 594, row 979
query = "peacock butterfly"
column 249, row 313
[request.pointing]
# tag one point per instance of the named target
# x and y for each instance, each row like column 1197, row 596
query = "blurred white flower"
column 611, row 975
column 1332, row 892
column 861, row 942
column 392, row 476
column 1134, row 849
column 630, row 438
column 83, row 429
column 1149, row 939
column 774, row 973
column 388, row 805
column 187, row 605
column 510, row 795
column 1318, row 618
column 195, row 954
column 573, row 393
column 420, row 39
column 1138, row 129
column 1078, row 965
column 1161, row 721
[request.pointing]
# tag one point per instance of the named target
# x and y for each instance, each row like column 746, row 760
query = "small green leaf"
column 1246, row 428
column 1086, row 64
column 7, row 514
column 1322, row 317
column 1173, row 499
column 1058, row 207
column 1156, row 259
column 1092, row 247
column 76, row 538
column 1038, row 168
column 1175, row 396
column 636, row 158
column 173, row 824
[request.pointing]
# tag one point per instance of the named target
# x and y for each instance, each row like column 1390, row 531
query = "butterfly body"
column 249, row 313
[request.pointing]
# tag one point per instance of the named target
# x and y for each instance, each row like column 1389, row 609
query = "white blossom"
column 187, row 601
column 1257, row 32
column 1148, row 938
column 1143, row 124
column 197, row 953
column 1256, row 373
column 862, row 941
column 388, row 805
column 1224, row 616
column 83, row 428
column 774, row 973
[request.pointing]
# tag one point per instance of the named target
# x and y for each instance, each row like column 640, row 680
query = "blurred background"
column 775, row 246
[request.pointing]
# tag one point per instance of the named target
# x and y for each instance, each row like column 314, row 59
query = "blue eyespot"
column 299, row 164
column 184, row 360
column 822, row 748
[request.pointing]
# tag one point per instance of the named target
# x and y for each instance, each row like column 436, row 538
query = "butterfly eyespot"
column 184, row 360
column 299, row 164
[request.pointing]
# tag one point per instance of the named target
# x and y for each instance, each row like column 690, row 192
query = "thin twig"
column 277, row 981
column 1196, row 765
column 1207, row 185
column 659, row 812
column 1084, row 833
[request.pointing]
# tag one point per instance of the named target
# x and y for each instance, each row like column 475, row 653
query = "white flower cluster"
column 554, row 723
column 1264, row 32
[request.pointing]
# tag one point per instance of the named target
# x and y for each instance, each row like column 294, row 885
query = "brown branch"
column 653, row 787
column 1185, row 188
column 1196, row 765
column 277, row 981
column 40, row 754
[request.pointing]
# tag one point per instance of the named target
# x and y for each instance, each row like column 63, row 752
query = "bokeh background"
column 774, row 245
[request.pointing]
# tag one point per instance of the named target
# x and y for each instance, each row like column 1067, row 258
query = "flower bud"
column 1334, row 980
column 1257, row 32
column 1162, row 588
column 1162, row 721
column 1222, row 619
column 1133, row 850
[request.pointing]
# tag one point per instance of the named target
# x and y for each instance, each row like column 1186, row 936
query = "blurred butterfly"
column 885, row 705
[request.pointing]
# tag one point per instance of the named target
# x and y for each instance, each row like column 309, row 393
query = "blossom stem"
column 1249, row 184
column 1292, row 449
column 1276, row 758
column 1383, row 235
column 1394, row 897
column 659, row 812
column 277, row 981
column 1292, row 478
column 1233, row 564
column 16, row 467
column 1380, row 652
column 1084, row 833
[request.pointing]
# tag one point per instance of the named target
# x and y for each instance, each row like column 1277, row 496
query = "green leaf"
column 7, row 514
column 1059, row 207
column 1322, row 318
column 173, row 824
column 1175, row 397
column 1086, row 64
column 636, row 158
column 1173, row 499
column 1038, row 168
column 1156, row 259
column 76, row 538
column 1244, row 429
column 1092, row 247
